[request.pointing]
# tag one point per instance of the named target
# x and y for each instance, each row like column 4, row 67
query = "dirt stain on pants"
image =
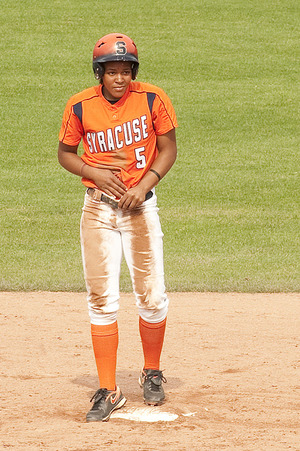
column 107, row 233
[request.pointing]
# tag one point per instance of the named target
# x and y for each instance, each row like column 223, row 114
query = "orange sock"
column 105, row 341
column 152, row 335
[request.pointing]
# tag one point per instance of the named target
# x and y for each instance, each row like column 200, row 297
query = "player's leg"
column 143, row 249
column 102, row 253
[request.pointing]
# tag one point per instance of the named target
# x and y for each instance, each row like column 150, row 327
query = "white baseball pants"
column 108, row 233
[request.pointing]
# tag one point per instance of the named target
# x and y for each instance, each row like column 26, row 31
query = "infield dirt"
column 231, row 361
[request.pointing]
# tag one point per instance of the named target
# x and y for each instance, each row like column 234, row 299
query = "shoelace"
column 157, row 375
column 100, row 393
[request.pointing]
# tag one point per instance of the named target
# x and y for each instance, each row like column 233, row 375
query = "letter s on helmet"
column 114, row 47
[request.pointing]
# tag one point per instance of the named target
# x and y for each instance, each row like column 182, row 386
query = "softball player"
column 128, row 134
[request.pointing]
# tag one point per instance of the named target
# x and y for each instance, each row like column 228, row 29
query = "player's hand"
column 108, row 182
column 133, row 198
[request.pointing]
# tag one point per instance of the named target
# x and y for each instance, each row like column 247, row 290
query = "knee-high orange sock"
column 105, row 341
column 152, row 336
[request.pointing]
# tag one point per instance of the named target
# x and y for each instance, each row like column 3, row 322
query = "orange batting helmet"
column 114, row 47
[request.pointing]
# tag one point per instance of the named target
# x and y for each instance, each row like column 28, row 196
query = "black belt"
column 98, row 195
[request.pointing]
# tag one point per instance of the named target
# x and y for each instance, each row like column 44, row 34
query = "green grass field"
column 229, row 207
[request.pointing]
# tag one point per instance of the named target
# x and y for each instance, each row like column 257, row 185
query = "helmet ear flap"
column 98, row 71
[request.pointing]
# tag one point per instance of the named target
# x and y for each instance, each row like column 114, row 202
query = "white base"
column 149, row 414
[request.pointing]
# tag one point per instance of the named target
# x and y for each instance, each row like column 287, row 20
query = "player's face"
column 116, row 79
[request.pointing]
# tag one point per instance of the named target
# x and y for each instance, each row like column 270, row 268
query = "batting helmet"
column 114, row 47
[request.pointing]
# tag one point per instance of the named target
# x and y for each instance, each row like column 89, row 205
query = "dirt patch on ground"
column 231, row 361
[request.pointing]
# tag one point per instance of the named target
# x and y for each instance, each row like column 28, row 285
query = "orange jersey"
column 122, row 136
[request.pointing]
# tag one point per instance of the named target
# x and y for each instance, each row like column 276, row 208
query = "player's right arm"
column 103, row 178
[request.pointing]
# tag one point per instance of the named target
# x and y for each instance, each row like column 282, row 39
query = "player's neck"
column 109, row 100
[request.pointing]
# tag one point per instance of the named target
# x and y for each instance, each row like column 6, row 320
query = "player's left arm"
column 167, row 153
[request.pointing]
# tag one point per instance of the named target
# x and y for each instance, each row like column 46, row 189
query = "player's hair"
column 114, row 47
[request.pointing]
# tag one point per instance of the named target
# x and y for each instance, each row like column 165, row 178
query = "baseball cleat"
column 105, row 402
column 151, row 382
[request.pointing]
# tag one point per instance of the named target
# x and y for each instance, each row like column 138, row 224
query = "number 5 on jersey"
column 140, row 158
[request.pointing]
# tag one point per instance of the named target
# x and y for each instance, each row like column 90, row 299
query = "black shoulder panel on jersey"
column 150, row 97
column 78, row 110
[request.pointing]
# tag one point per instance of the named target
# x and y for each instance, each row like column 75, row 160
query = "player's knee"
column 153, row 299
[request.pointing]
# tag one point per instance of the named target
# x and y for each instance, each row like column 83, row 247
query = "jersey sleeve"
column 71, row 130
column 163, row 113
